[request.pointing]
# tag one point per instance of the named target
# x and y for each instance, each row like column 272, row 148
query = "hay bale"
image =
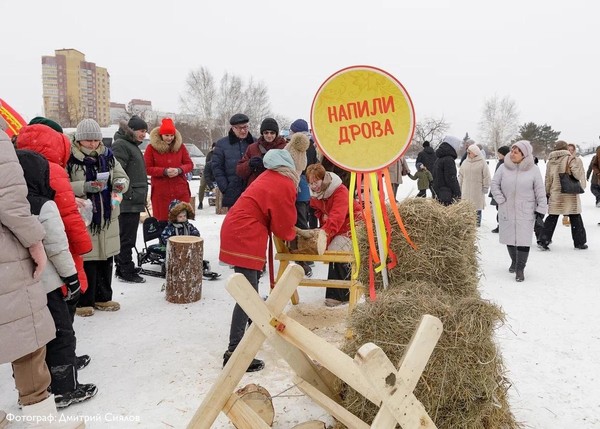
column 446, row 254
column 463, row 385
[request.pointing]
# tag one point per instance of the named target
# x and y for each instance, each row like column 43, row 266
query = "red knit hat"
column 167, row 127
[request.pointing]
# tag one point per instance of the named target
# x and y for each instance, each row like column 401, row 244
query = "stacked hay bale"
column 463, row 385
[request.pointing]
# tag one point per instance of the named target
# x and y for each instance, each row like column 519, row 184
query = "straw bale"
column 463, row 386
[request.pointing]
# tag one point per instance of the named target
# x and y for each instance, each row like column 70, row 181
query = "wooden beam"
column 241, row 415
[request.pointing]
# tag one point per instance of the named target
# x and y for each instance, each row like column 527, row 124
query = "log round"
column 259, row 399
column 184, row 269
column 313, row 424
column 311, row 242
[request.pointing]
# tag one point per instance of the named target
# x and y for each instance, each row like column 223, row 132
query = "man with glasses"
column 228, row 152
column 251, row 164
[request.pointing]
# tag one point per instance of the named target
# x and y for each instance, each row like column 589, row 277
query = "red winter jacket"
column 164, row 189
column 332, row 209
column 258, row 148
column 267, row 206
column 56, row 148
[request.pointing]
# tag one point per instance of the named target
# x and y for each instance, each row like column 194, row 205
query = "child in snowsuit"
column 180, row 214
column 60, row 282
column 424, row 179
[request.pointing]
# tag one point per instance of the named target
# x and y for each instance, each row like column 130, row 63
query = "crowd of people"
column 74, row 206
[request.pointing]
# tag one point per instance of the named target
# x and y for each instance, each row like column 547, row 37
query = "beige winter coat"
column 106, row 243
column 396, row 170
column 25, row 322
column 474, row 179
column 560, row 203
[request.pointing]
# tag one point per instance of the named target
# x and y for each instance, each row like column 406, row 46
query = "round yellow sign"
column 362, row 119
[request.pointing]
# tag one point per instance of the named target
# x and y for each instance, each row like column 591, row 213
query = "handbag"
column 568, row 183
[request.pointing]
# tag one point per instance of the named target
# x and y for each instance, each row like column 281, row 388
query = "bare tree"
column 430, row 129
column 214, row 106
column 499, row 122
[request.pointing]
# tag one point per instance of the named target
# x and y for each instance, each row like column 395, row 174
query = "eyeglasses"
column 269, row 132
column 241, row 127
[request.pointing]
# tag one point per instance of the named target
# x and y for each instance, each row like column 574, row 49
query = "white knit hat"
column 88, row 129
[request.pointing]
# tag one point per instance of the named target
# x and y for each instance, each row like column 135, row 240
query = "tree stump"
column 311, row 242
column 219, row 209
column 184, row 269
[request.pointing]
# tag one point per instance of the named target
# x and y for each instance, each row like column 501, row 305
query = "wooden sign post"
column 370, row 373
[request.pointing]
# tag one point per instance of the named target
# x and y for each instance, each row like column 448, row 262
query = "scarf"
column 324, row 186
column 288, row 172
column 92, row 164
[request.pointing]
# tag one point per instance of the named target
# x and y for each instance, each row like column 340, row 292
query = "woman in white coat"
column 474, row 179
column 519, row 190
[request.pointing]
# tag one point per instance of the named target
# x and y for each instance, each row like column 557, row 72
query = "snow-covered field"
column 154, row 361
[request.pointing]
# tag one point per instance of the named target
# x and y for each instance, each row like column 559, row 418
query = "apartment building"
column 74, row 89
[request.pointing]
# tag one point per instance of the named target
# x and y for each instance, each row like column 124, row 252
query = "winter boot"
column 67, row 390
column 107, row 306
column 521, row 262
column 37, row 416
column 512, row 251
column 84, row 311
column 83, row 392
column 207, row 273
column 132, row 277
column 83, row 361
column 255, row 365
column 496, row 230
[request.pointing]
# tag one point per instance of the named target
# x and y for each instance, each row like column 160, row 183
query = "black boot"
column 67, row 390
column 512, row 251
column 255, row 365
column 521, row 262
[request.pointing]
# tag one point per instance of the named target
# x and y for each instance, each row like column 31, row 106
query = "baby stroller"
column 155, row 252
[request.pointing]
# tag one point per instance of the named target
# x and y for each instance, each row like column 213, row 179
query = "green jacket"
column 424, row 179
column 127, row 151
column 106, row 243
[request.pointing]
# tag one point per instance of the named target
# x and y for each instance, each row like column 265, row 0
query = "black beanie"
column 426, row 143
column 48, row 122
column 503, row 150
column 269, row 124
column 137, row 123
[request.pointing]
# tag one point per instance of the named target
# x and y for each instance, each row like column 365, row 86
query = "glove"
column 92, row 187
column 539, row 220
column 118, row 185
column 73, row 288
column 256, row 163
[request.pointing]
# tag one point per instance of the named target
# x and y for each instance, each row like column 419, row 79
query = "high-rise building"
column 74, row 89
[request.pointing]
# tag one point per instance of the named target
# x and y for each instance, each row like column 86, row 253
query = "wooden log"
column 184, row 269
column 311, row 242
column 259, row 400
column 219, row 209
column 311, row 424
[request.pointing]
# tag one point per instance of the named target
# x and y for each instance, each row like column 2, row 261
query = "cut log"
column 219, row 209
column 312, row 424
column 259, row 400
column 184, row 269
column 311, row 242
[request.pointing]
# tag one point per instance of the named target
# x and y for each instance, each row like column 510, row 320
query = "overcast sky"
column 449, row 55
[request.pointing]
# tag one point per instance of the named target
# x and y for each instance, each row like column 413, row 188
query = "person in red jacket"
column 329, row 199
column 167, row 162
column 56, row 148
column 267, row 206
column 251, row 164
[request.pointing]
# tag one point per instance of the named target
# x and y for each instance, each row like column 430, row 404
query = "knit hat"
column 176, row 207
column 88, row 129
column 525, row 147
column 297, row 147
column 455, row 142
column 136, row 123
column 278, row 158
column 425, row 143
column 45, row 121
column 299, row 126
column 239, row 118
column 418, row 165
column 561, row 145
column 503, row 150
column 269, row 124
column 474, row 149
column 167, row 127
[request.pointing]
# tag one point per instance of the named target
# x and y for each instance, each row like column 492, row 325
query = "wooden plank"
column 329, row 405
column 325, row 258
column 217, row 396
column 338, row 284
column 241, row 415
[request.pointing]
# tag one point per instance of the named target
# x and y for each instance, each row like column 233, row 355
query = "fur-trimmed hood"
column 161, row 146
column 178, row 208
column 126, row 133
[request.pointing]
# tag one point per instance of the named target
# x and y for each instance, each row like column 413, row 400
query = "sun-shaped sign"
column 362, row 119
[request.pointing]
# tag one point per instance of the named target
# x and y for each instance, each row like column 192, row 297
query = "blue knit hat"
column 299, row 126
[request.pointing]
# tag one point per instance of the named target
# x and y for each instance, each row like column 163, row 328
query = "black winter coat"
column 427, row 157
column 445, row 181
column 228, row 151
column 126, row 150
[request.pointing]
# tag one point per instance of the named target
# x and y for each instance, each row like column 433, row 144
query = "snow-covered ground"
column 154, row 361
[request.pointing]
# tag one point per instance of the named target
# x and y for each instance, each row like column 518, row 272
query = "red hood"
column 54, row 146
